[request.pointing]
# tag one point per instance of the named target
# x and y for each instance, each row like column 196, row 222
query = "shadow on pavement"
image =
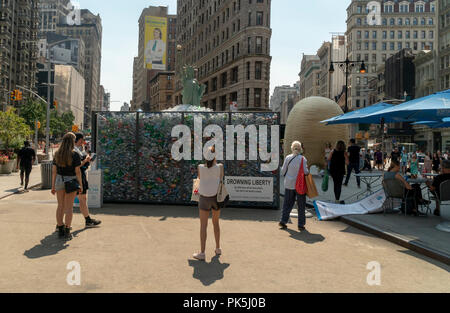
column 426, row 259
column 50, row 245
column 165, row 212
column 208, row 273
column 305, row 236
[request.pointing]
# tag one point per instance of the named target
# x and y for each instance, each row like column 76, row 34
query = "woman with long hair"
column 210, row 175
column 436, row 163
column 66, row 168
column 338, row 160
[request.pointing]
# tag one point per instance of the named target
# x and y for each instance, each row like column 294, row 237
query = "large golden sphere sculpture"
column 303, row 124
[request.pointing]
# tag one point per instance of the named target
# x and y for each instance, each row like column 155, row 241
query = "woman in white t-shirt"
column 210, row 175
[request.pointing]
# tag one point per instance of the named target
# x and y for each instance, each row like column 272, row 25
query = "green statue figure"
column 192, row 90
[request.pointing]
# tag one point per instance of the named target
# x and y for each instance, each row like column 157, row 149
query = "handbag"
column 311, row 190
column 223, row 197
column 195, row 194
column 325, row 181
column 300, row 185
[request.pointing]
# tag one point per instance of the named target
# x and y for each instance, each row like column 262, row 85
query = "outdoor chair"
column 394, row 189
column 445, row 212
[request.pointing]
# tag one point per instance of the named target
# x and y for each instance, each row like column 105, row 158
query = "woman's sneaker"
column 61, row 231
column 199, row 256
column 92, row 223
column 67, row 234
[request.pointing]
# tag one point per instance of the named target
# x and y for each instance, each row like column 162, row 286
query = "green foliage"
column 37, row 110
column 13, row 129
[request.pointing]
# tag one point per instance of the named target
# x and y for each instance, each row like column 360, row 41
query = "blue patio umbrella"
column 445, row 123
column 360, row 116
column 434, row 107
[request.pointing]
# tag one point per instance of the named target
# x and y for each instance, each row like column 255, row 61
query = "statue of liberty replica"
column 192, row 90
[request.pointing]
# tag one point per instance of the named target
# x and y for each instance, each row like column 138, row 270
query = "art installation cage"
column 134, row 152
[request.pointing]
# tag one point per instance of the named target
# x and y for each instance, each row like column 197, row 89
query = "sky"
column 298, row 26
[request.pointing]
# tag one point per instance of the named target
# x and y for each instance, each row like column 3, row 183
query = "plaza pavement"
column 144, row 248
column 10, row 184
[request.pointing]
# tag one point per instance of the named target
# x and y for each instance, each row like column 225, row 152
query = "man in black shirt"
column 26, row 158
column 395, row 155
column 354, row 158
column 435, row 186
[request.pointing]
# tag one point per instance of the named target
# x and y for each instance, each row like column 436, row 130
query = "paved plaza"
column 143, row 248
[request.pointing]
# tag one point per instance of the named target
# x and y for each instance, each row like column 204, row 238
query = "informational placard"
column 371, row 204
column 95, row 192
column 256, row 189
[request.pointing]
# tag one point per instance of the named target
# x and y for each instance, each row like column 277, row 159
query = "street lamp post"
column 347, row 66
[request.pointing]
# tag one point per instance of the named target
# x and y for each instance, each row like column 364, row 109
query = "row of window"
column 400, row 33
column 392, row 22
column 232, row 77
column 393, row 46
column 403, row 7
column 254, row 46
column 222, row 103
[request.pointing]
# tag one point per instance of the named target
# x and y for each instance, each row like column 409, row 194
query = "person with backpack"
column 294, row 169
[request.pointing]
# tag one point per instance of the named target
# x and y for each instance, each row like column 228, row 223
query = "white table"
column 369, row 179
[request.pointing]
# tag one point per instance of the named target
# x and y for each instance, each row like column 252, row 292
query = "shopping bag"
column 300, row 184
column 311, row 190
column 325, row 180
column 195, row 194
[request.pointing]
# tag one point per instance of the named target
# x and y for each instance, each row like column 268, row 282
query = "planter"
column 7, row 168
column 15, row 169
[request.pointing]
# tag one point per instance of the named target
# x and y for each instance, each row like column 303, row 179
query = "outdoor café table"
column 369, row 179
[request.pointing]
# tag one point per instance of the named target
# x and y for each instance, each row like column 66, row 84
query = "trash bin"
column 46, row 174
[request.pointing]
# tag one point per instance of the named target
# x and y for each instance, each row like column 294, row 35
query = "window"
column 392, row 21
column 248, row 70
column 431, row 34
column 400, row 21
column 374, row 46
column 358, row 21
column 408, row 34
column 423, row 34
column 388, row 8
column 404, row 7
column 358, row 34
column 415, row 21
column 249, row 18
column 234, row 75
column 258, row 92
column 223, row 80
column 399, row 46
column 366, row 35
column 258, row 44
column 430, row 21
column 249, row 44
column 392, row 46
column 366, row 46
column 374, row 34
column 259, row 18
column 374, row 58
column 422, row 21
column 415, row 34
column 384, row 22
column 420, row 7
column 392, row 34
column 258, row 70
column 384, row 46
column 384, row 34
column 407, row 21
column 408, row 45
column 400, row 34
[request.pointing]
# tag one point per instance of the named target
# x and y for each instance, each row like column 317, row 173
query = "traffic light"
column 19, row 95
column 55, row 104
column 38, row 125
column 13, row 95
column 75, row 128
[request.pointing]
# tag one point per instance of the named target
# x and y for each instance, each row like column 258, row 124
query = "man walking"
column 26, row 158
column 354, row 158
column 85, row 159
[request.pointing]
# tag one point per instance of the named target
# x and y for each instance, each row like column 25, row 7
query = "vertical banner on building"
column 155, row 42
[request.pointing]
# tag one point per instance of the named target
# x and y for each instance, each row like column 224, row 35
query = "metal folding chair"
column 445, row 212
column 394, row 189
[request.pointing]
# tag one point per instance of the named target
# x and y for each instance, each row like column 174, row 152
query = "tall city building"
column 309, row 76
column 282, row 100
column 229, row 43
column 154, row 54
column 90, row 31
column 18, row 49
column 52, row 13
column 377, row 33
column 331, row 83
column 443, row 78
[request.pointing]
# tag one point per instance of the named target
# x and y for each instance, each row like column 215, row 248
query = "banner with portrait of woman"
column 155, row 42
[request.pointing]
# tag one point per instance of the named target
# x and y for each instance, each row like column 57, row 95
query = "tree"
column 13, row 129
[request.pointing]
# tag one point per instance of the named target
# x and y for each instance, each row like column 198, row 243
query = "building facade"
column 162, row 87
column 229, row 43
column 18, row 49
column 401, row 24
column 425, row 73
column 331, row 83
column 141, row 74
column 310, row 76
column 280, row 94
column 51, row 14
column 90, row 32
